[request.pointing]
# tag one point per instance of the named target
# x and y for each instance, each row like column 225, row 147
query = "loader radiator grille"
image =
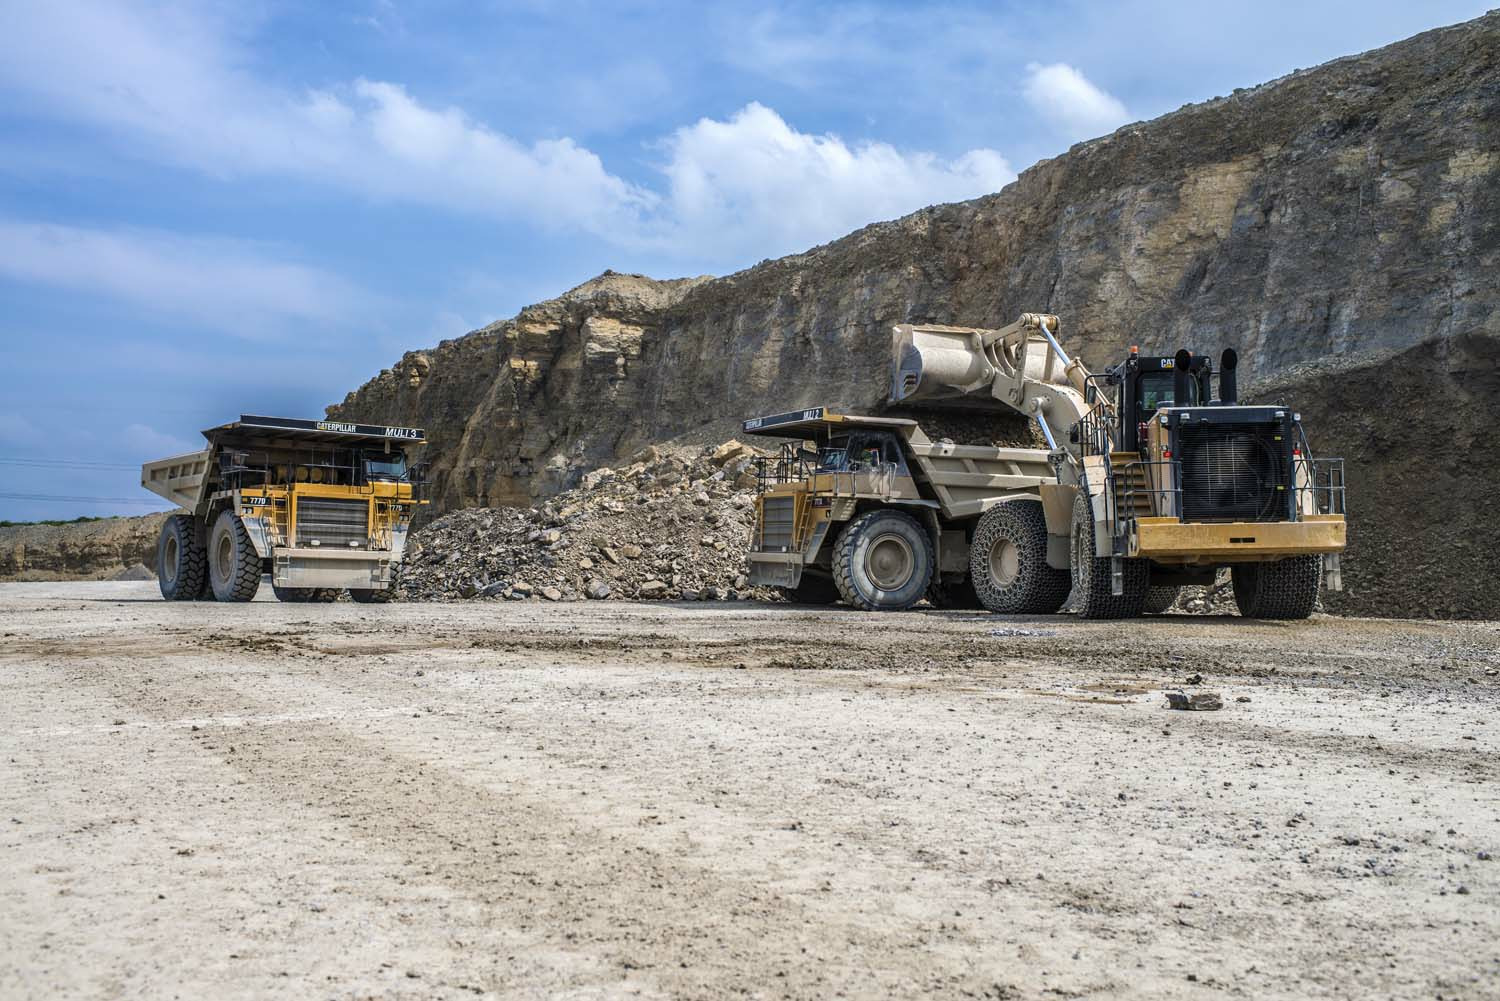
column 332, row 522
column 1237, row 472
column 777, row 514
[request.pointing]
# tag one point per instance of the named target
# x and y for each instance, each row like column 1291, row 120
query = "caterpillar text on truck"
column 1150, row 482
column 321, row 506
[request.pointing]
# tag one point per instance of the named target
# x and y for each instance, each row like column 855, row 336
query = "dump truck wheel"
column 813, row 590
column 1160, row 598
column 1284, row 589
column 371, row 596
column 181, row 564
column 883, row 561
column 1008, row 561
column 1091, row 574
column 233, row 563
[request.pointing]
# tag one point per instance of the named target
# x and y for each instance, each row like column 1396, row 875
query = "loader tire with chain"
column 181, row 562
column 883, row 561
column 1284, row 589
column 372, row 596
column 233, row 564
column 1159, row 598
column 1092, row 574
column 1008, row 561
column 306, row 595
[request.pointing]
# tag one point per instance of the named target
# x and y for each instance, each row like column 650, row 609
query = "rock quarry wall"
column 1343, row 212
column 91, row 550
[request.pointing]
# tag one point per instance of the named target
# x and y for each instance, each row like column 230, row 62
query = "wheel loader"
column 321, row 506
column 1150, row 482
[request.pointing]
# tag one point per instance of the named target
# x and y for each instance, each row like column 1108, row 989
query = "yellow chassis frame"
column 1168, row 540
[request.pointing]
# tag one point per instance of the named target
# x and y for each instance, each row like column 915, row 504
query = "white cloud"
column 755, row 182
column 17, row 430
column 1066, row 98
column 171, row 84
column 148, row 443
column 221, row 284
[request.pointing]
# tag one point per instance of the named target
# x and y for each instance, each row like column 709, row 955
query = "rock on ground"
column 674, row 524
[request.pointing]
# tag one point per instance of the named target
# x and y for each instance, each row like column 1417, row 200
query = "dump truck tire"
column 1008, row 561
column 372, row 596
column 1160, row 598
column 813, row 590
column 1091, row 574
column 233, row 563
column 181, row 562
column 883, row 561
column 1284, row 589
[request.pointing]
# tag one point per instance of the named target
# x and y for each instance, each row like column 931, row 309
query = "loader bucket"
column 935, row 364
column 988, row 368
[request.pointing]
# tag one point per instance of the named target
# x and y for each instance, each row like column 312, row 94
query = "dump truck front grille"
column 332, row 522
column 1235, row 472
column 777, row 515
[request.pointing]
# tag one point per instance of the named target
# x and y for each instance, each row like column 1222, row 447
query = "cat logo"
column 1168, row 363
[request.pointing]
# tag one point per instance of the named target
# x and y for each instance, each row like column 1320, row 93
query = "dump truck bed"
column 970, row 479
column 180, row 479
column 966, row 480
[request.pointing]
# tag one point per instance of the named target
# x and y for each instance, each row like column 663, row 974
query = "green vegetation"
column 71, row 521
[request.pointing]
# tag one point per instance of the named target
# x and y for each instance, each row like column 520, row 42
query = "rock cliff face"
column 1344, row 212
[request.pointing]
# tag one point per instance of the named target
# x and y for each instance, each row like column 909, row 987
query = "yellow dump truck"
column 322, row 506
column 1149, row 483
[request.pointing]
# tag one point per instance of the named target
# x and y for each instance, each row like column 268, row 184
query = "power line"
column 67, row 463
column 77, row 500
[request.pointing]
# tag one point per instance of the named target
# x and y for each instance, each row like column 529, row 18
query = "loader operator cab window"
column 1155, row 390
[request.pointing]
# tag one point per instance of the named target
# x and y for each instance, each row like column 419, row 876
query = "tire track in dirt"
column 600, row 914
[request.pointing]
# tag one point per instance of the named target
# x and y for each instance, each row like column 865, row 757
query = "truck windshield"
column 385, row 467
column 833, row 457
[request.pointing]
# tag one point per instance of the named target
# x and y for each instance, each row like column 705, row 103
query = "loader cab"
column 1148, row 383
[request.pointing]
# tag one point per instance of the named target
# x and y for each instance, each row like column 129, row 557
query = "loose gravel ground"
column 608, row 799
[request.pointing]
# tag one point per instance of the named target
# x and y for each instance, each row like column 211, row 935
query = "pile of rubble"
column 668, row 525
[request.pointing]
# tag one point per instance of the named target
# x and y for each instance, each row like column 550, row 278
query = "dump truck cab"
column 834, row 466
column 322, row 506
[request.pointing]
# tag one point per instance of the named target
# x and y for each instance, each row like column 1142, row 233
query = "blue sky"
column 223, row 207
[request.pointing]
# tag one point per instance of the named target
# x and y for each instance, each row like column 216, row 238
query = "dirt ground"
column 706, row 800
